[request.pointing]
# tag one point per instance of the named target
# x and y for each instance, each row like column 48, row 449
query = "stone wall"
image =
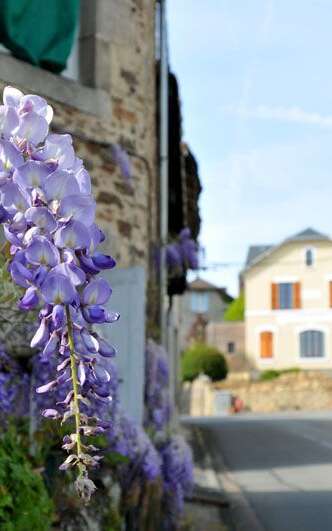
column 221, row 334
column 127, row 54
column 307, row 390
column 114, row 104
column 118, row 107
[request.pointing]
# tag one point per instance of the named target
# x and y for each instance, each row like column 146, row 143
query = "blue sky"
column 256, row 88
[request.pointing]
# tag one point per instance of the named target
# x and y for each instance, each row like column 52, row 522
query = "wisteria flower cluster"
column 174, row 452
column 130, row 440
column 104, row 407
column 14, row 387
column 121, row 158
column 183, row 253
column 48, row 215
column 157, row 402
column 177, row 475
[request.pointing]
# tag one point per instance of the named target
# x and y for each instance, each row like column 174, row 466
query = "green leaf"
column 115, row 458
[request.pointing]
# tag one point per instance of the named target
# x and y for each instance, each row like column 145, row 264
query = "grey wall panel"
column 128, row 335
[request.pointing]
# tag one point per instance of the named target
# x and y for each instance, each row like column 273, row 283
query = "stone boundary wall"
column 307, row 391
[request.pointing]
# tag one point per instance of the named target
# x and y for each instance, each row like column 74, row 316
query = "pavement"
column 275, row 470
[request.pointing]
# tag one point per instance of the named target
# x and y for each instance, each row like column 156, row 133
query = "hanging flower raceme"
column 14, row 388
column 130, row 440
column 182, row 254
column 177, row 474
column 174, row 452
column 157, row 402
column 48, row 214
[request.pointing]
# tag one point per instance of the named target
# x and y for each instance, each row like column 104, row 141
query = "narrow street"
column 281, row 462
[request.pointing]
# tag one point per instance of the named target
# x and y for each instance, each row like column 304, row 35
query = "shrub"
column 201, row 358
column 272, row 374
column 24, row 501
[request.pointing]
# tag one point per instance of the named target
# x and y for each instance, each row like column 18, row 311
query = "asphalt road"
column 282, row 463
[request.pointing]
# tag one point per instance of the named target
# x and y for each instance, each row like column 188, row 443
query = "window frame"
column 89, row 94
column 290, row 294
column 322, row 340
column 233, row 349
column 199, row 296
column 313, row 326
column 312, row 250
column 295, row 294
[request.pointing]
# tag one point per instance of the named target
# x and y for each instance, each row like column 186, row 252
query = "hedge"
column 203, row 359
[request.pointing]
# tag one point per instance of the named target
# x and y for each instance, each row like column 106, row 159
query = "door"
column 266, row 344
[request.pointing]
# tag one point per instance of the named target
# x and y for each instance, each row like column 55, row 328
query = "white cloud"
column 280, row 114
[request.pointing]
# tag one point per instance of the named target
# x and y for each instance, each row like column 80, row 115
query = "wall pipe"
column 163, row 168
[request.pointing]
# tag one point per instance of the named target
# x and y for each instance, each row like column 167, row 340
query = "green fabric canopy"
column 40, row 32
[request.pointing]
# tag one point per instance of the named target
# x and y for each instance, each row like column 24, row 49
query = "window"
column 286, row 296
column 309, row 257
column 266, row 345
column 312, row 344
column 230, row 347
column 44, row 40
column 199, row 302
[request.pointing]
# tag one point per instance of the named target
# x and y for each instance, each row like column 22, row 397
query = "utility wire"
column 264, row 263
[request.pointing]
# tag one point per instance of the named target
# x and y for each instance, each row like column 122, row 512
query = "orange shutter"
column 274, row 296
column 266, row 340
column 297, row 295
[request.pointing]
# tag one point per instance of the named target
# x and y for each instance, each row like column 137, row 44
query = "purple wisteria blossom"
column 130, row 440
column 14, row 388
column 52, row 404
column 121, row 158
column 48, row 215
column 157, row 401
column 177, row 475
column 174, row 452
column 182, row 254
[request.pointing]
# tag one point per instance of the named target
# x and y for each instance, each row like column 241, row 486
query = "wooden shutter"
column 266, row 345
column 297, row 295
column 330, row 286
column 274, row 296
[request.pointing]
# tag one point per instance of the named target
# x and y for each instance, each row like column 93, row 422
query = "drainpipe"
column 163, row 166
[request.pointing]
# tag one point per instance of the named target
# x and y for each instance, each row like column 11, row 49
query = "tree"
column 235, row 311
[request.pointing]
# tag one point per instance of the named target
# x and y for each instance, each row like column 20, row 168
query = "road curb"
column 243, row 516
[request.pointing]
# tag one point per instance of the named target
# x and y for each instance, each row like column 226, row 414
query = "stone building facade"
column 112, row 101
column 201, row 304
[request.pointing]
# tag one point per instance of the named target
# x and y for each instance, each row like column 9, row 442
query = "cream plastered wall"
column 287, row 264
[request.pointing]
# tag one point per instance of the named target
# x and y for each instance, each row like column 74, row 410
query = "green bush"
column 201, row 358
column 272, row 374
column 24, row 501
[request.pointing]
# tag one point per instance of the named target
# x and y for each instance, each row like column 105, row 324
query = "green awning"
column 40, row 32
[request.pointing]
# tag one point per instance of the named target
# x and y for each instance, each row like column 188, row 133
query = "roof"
column 202, row 285
column 308, row 234
column 256, row 253
column 199, row 284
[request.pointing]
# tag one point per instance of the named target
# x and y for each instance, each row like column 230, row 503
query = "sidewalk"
column 225, row 505
column 207, row 508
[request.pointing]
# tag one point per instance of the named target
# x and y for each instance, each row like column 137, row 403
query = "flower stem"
column 75, row 387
